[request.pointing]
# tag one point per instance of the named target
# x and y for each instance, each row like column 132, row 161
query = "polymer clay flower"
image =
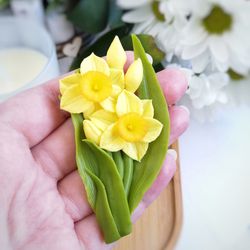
column 98, row 82
column 130, row 129
column 108, row 118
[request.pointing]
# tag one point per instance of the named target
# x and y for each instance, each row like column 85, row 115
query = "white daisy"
column 205, row 94
column 204, row 90
column 218, row 31
column 130, row 4
column 162, row 19
column 239, row 88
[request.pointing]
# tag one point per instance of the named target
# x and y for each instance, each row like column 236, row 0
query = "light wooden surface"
column 159, row 227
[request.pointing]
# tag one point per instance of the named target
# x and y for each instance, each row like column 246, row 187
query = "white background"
column 215, row 171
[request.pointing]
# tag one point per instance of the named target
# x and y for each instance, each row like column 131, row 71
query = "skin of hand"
column 43, row 203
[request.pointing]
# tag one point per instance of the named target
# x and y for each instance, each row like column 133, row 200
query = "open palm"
column 42, row 199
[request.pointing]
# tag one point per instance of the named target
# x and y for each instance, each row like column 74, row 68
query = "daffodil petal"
column 128, row 102
column 110, row 140
column 109, row 104
column 116, row 90
column 148, row 109
column 73, row 101
column 116, row 56
column 136, row 150
column 92, row 110
column 154, row 129
column 69, row 81
column 91, row 131
column 134, row 75
column 117, row 77
column 103, row 119
column 94, row 63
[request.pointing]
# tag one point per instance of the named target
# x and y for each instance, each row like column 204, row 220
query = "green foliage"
column 118, row 159
column 149, row 45
column 128, row 172
column 90, row 15
column 4, row 3
column 115, row 183
column 115, row 14
column 94, row 16
column 103, row 185
column 146, row 171
column 101, row 45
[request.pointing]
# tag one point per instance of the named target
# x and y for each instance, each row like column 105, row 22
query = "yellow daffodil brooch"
column 121, row 132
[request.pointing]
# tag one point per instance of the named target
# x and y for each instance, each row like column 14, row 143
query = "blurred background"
column 208, row 40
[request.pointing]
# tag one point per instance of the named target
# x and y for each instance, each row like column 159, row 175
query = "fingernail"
column 173, row 153
column 184, row 107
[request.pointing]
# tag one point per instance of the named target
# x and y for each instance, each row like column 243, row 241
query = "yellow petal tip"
column 94, row 63
column 116, row 55
column 134, row 75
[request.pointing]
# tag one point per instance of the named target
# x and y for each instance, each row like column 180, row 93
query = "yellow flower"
column 99, row 82
column 130, row 129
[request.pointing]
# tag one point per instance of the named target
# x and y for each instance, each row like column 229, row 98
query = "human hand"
column 43, row 203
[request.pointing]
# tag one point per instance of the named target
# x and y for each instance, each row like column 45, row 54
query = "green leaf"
column 146, row 171
column 100, row 46
column 103, row 184
column 4, row 3
column 149, row 45
column 115, row 15
column 117, row 156
column 128, row 172
column 90, row 15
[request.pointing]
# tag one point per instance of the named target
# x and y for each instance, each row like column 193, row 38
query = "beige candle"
column 19, row 66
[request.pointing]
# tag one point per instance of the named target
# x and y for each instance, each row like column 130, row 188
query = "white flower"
column 238, row 90
column 209, row 38
column 218, row 32
column 204, row 90
column 205, row 94
column 161, row 19
column 130, row 4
